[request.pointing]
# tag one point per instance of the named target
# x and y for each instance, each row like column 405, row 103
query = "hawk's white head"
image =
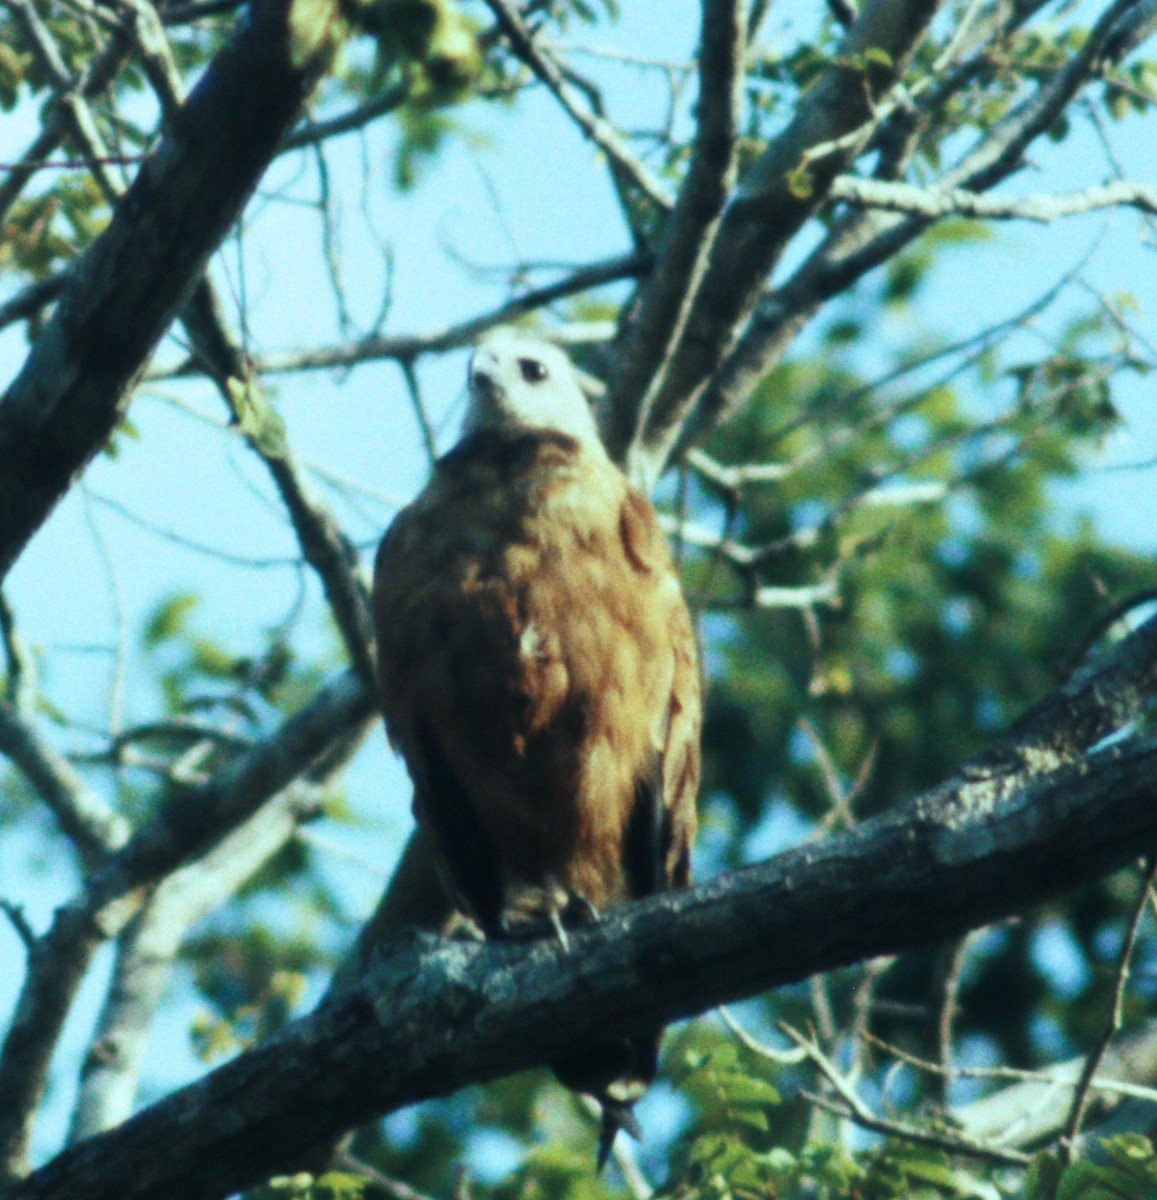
column 521, row 382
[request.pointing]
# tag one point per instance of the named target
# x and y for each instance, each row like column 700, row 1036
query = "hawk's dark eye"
column 532, row 370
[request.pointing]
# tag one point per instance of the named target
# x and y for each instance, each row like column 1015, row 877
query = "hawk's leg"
column 556, row 910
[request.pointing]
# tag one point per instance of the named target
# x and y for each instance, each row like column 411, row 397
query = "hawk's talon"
column 581, row 911
column 560, row 933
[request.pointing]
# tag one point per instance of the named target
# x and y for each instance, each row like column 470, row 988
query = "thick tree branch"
column 654, row 332
column 1047, row 809
column 76, row 383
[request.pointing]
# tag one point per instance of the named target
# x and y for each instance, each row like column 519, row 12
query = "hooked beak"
column 482, row 381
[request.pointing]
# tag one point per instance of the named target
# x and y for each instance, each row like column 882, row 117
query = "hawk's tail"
column 616, row 1074
column 617, row 1114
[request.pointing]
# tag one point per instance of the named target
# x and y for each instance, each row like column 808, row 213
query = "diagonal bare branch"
column 665, row 302
column 147, row 950
column 86, row 820
column 596, row 128
column 77, row 380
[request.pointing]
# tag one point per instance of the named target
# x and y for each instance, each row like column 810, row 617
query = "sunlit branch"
column 935, row 202
column 188, row 825
column 736, row 478
column 147, row 949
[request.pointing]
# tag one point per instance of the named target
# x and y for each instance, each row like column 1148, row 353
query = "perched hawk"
column 538, row 674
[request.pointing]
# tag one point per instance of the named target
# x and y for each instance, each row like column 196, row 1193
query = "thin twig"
column 21, row 683
column 449, row 337
column 414, row 390
column 949, row 1143
column 19, row 922
column 394, row 1188
column 854, row 1109
column 781, row 1058
column 120, row 633
column 950, row 970
column 1112, row 1026
column 596, row 128
column 1047, row 1076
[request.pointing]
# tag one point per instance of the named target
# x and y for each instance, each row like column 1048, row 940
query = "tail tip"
column 616, row 1115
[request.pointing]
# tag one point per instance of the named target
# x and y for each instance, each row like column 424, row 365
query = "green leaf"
column 257, row 418
column 169, row 619
column 1089, row 1181
column 800, row 182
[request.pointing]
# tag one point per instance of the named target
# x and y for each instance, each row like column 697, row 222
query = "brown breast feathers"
column 538, row 675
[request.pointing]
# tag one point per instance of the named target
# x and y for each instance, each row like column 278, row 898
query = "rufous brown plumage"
column 539, row 675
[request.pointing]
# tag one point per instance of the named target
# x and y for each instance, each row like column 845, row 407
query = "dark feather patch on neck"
column 509, row 450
